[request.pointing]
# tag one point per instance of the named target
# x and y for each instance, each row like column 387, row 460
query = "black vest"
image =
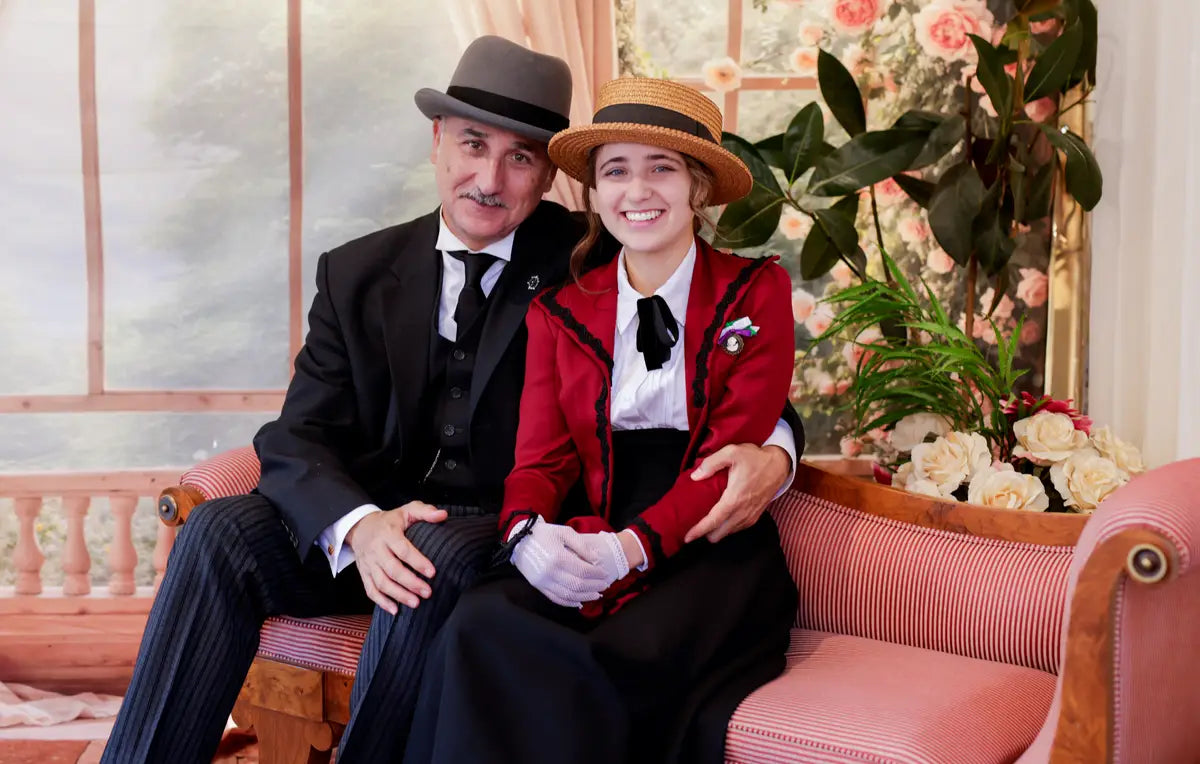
column 449, row 478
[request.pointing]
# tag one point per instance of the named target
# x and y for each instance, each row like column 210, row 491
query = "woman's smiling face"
column 643, row 197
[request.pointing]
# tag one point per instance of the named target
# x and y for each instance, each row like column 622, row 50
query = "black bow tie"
column 657, row 331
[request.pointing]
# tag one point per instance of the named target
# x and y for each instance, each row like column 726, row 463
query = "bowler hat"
column 505, row 85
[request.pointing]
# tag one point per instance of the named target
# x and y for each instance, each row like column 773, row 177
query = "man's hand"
column 387, row 560
column 755, row 475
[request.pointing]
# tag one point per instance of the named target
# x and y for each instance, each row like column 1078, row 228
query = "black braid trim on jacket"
column 504, row 553
column 656, row 549
column 564, row 314
column 710, row 334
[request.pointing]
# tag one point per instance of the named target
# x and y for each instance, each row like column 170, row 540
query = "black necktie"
column 657, row 331
column 471, row 298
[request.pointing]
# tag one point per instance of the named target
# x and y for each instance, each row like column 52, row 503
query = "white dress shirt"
column 641, row 399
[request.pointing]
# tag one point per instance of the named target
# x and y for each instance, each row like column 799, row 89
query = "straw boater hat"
column 502, row 84
column 657, row 113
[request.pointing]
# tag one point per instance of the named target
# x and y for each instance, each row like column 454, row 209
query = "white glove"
column 554, row 559
column 605, row 548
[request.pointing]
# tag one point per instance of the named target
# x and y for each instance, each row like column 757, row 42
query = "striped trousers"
column 231, row 568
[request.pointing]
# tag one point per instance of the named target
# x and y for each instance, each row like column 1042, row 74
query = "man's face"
column 489, row 180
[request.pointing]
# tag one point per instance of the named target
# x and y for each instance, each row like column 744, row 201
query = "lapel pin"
column 733, row 336
column 533, row 282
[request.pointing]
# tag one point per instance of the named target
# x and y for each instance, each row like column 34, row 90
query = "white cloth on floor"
column 22, row 704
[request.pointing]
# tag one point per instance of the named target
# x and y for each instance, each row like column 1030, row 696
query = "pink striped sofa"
column 927, row 632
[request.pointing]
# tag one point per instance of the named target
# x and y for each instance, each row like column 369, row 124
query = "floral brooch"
column 733, row 335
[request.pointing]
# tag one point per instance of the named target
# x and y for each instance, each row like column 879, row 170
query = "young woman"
column 609, row 639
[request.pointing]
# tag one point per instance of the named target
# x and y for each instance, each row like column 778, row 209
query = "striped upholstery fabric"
column 326, row 643
column 849, row 699
column 226, row 474
column 867, row 576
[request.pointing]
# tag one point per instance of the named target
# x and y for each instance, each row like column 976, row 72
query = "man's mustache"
column 487, row 200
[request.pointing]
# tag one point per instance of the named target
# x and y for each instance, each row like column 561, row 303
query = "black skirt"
column 514, row 678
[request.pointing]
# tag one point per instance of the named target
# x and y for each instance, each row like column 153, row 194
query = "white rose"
column 913, row 428
column 900, row 479
column 1086, row 478
column 979, row 456
column 927, row 488
column 1125, row 455
column 1006, row 488
column 943, row 462
column 1047, row 437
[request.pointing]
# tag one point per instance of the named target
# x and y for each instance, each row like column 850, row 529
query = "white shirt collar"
column 675, row 291
column 448, row 242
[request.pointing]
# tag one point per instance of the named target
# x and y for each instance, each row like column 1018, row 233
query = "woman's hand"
column 559, row 562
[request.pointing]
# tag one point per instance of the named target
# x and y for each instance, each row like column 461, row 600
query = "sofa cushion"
column 878, row 578
column 849, row 699
column 327, row 643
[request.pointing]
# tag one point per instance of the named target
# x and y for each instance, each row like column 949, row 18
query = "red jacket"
column 565, row 428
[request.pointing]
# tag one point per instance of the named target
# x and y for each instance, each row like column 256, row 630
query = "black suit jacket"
column 349, row 430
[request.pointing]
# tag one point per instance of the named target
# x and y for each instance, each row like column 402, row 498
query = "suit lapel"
column 530, row 270
column 410, row 304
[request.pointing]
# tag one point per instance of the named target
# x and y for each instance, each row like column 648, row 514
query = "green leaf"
column 1037, row 194
column 1084, row 181
column 920, row 191
column 991, row 74
column 803, row 142
column 771, row 150
column 952, row 209
column 751, row 220
column 990, row 235
column 743, row 224
column 864, row 161
column 818, row 255
column 840, row 227
column 841, row 94
column 943, row 133
column 1053, row 68
column 1084, row 11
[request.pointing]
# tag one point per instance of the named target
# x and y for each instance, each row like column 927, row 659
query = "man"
column 404, row 398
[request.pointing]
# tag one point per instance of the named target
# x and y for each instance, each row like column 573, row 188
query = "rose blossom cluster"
column 1057, row 459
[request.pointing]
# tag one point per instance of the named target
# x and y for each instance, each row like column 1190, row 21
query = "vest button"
column 448, row 430
column 456, row 393
column 458, row 354
column 451, row 464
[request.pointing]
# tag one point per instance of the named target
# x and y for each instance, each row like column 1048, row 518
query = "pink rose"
column 1031, row 332
column 819, row 321
column 853, row 16
column 938, row 261
column 811, row 34
column 913, row 230
column 943, row 25
column 842, row 386
column 1004, row 308
column 1042, row 109
column 803, row 304
column 889, row 192
column 851, row 447
column 722, row 74
column 842, row 275
column 857, row 352
column 794, row 224
column 1034, row 287
column 825, row 385
column 804, row 60
column 856, row 59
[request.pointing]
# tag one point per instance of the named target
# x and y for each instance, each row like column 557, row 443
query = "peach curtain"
column 578, row 31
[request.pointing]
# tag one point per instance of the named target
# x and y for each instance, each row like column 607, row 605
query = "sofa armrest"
column 226, row 474
column 1130, row 596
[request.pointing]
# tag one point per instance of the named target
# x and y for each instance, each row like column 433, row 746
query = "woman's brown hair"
column 702, row 184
